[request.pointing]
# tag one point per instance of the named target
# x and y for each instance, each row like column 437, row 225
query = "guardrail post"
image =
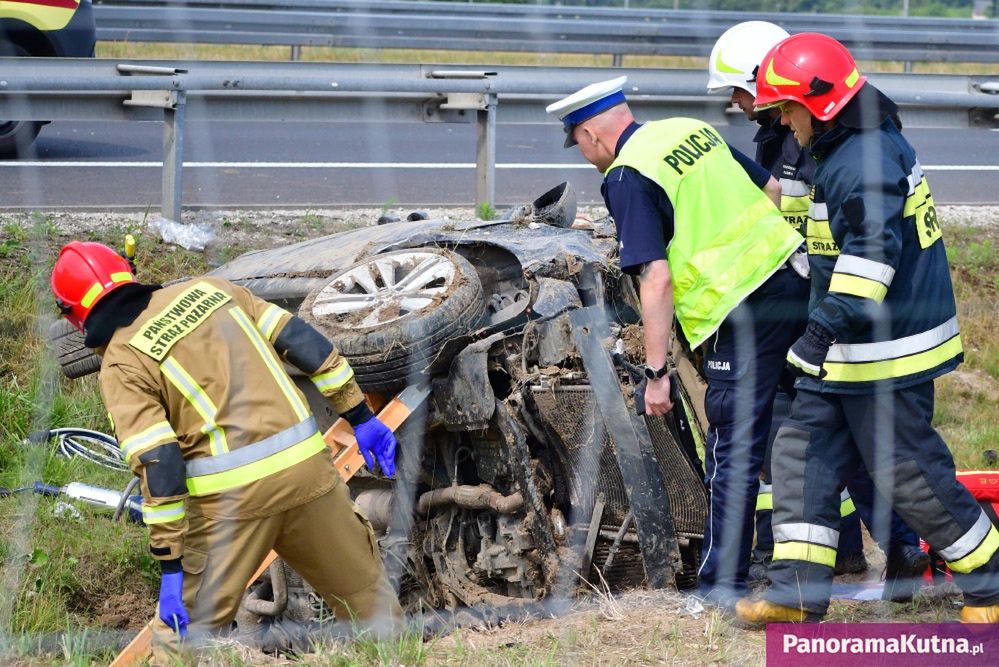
column 485, row 154
column 173, row 157
column 173, row 102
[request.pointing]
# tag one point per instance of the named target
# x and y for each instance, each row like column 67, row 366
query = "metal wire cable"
column 94, row 446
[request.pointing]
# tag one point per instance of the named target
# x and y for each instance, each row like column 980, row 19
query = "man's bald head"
column 597, row 136
column 615, row 119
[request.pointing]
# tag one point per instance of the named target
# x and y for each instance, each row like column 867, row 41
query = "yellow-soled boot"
column 755, row 614
column 989, row 614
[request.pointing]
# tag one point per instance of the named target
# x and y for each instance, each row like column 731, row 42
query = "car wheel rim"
column 386, row 289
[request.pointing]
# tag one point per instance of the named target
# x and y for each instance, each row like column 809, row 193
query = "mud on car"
column 526, row 471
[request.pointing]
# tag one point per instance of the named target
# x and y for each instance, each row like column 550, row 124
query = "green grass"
column 486, row 211
column 966, row 400
column 237, row 52
column 83, row 579
column 61, row 575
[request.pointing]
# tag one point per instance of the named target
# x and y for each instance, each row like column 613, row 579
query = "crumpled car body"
column 527, row 473
column 515, row 474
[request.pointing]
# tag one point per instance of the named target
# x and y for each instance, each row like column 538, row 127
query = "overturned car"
column 525, row 470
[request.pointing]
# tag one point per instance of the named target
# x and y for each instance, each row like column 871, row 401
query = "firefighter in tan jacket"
column 229, row 456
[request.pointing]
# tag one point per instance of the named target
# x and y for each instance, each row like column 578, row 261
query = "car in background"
column 41, row 29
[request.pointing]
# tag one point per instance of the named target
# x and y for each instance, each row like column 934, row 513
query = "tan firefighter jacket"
column 198, row 367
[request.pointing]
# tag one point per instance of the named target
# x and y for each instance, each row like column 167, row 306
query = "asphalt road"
column 102, row 165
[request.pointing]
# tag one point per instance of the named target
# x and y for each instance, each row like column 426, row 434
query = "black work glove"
column 806, row 356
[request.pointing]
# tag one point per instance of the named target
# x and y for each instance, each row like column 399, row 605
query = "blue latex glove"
column 172, row 611
column 376, row 441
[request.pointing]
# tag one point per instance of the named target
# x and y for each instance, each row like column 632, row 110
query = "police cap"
column 587, row 103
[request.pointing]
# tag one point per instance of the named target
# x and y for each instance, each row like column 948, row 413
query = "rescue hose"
column 94, row 446
column 125, row 496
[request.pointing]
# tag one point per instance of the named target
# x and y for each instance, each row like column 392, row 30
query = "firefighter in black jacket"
column 882, row 325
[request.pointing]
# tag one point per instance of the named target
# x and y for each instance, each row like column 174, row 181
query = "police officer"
column 882, row 326
column 735, row 59
column 229, row 456
column 676, row 184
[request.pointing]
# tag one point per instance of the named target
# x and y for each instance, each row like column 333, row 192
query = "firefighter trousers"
column 743, row 363
column 850, row 538
column 860, row 501
column 827, row 438
column 326, row 540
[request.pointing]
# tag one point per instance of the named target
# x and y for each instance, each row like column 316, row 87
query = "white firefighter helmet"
column 738, row 52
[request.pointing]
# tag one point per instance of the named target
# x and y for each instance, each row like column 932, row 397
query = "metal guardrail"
column 68, row 89
column 523, row 28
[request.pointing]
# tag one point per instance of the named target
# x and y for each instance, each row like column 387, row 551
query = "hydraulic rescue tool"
column 95, row 495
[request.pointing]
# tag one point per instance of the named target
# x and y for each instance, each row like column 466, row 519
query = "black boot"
column 850, row 563
column 904, row 572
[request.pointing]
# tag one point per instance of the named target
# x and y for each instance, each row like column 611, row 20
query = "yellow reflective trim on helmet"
column 722, row 66
column 980, row 556
column 775, row 79
column 204, row 485
column 764, row 501
column 121, row 277
column 806, row 551
column 893, row 368
column 844, row 283
column 851, row 80
column 88, row 299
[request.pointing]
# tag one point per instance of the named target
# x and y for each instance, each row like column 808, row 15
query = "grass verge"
column 73, row 590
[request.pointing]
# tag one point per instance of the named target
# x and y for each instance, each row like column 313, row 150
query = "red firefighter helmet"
column 812, row 69
column 83, row 275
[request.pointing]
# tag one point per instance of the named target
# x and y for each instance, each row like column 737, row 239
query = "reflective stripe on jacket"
column 198, row 367
column 880, row 279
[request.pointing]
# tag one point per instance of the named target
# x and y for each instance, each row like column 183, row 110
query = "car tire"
column 75, row 358
column 16, row 136
column 392, row 315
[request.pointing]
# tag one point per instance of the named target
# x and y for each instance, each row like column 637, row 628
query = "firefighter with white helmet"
column 735, row 59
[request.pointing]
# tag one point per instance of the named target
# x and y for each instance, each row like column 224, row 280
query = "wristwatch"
column 655, row 373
